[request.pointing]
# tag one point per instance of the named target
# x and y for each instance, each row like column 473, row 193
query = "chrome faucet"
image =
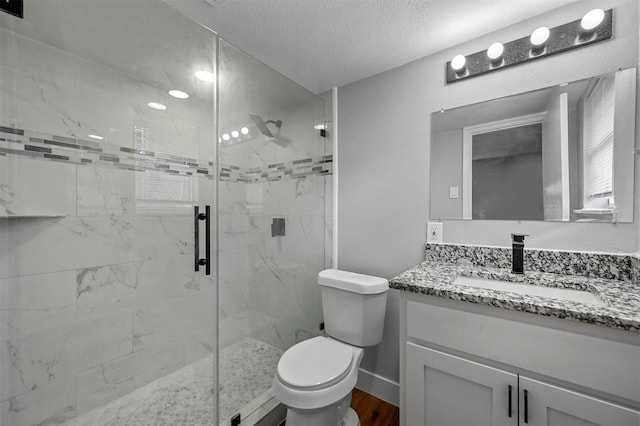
column 517, row 253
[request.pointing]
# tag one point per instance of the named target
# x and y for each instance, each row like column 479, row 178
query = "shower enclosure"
column 119, row 302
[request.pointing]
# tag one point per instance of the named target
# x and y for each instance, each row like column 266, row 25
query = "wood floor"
column 373, row 411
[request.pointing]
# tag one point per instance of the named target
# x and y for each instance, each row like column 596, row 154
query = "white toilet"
column 315, row 377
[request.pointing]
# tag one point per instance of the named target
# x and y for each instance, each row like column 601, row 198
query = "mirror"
column 563, row 153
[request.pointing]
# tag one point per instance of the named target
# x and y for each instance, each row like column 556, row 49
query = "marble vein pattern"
column 621, row 309
column 186, row 396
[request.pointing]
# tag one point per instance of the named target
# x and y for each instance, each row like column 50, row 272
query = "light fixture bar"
column 561, row 39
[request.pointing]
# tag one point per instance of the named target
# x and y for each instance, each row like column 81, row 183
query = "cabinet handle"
column 526, row 406
column 510, row 391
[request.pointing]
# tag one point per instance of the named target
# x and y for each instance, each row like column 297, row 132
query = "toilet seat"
column 332, row 380
column 314, row 364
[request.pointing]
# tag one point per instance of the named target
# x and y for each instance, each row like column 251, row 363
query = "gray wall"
column 384, row 138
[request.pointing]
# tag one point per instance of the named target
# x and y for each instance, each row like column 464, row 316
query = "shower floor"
column 185, row 397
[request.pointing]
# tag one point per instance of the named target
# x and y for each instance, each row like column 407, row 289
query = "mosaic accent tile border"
column 594, row 265
column 274, row 172
column 39, row 146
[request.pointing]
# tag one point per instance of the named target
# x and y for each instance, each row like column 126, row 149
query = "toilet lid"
column 315, row 363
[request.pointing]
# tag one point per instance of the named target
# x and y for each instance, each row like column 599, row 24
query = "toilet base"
column 338, row 414
column 350, row 419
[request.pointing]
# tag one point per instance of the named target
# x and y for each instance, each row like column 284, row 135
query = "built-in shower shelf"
column 32, row 216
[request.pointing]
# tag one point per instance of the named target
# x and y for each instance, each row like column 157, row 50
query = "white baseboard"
column 378, row 386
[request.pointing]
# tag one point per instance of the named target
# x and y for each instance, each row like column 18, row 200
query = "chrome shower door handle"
column 197, row 217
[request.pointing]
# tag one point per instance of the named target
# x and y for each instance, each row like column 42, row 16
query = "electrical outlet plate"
column 434, row 232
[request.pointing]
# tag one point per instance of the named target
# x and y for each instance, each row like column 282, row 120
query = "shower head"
column 262, row 125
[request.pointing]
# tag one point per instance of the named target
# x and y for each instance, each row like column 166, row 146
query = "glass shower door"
column 103, row 318
column 273, row 175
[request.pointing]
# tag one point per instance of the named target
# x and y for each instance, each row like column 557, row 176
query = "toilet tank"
column 354, row 306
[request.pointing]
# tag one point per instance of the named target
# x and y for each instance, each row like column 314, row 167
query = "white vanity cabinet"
column 467, row 364
column 446, row 390
column 551, row 405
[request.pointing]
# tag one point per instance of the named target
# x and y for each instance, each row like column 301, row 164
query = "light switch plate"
column 434, row 232
column 453, row 192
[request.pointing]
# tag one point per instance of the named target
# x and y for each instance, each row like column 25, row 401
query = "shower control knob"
column 202, row 262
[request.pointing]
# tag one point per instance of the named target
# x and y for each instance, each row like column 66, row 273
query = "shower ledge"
column 31, row 216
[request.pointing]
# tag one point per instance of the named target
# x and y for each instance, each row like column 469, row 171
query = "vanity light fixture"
column 590, row 23
column 494, row 53
column 538, row 39
column 459, row 65
column 594, row 27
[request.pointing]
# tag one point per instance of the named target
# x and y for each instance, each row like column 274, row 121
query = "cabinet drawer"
column 605, row 365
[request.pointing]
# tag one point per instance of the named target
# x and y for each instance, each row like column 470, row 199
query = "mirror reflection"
column 563, row 153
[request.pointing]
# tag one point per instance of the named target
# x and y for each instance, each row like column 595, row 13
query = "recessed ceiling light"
column 244, row 130
column 178, row 94
column 205, row 76
column 96, row 137
column 157, row 105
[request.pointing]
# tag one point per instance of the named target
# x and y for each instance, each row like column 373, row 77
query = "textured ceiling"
column 324, row 43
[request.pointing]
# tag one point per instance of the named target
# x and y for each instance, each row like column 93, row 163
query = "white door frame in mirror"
column 467, row 151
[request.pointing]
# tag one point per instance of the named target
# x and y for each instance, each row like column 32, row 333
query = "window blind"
column 598, row 139
column 158, row 191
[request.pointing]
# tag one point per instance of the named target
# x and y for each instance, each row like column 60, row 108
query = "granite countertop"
column 621, row 307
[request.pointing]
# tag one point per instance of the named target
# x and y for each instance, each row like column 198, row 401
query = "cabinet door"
column 445, row 390
column 548, row 405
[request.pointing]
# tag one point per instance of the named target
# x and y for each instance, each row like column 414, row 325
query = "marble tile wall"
column 279, row 303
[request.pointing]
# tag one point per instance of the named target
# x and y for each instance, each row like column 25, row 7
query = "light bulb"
column 244, row 130
column 226, row 137
column 458, row 62
column 592, row 19
column 495, row 51
column 235, row 134
column 540, row 36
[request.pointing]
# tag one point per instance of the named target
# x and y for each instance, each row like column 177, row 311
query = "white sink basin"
column 532, row 290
